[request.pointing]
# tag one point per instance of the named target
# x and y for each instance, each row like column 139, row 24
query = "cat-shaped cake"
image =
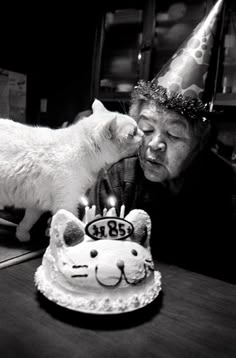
column 43, row 169
column 103, row 267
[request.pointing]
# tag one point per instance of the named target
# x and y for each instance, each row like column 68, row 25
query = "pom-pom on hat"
column 180, row 84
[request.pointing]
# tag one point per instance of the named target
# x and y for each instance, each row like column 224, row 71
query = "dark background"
column 54, row 45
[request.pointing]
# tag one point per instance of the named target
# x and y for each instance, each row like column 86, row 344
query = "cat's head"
column 105, row 262
column 117, row 133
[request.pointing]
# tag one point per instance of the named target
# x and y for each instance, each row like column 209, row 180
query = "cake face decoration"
column 103, row 269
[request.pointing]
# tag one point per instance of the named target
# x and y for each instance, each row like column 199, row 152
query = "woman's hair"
column 191, row 108
column 201, row 126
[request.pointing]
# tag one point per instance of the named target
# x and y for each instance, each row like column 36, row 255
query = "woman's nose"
column 157, row 143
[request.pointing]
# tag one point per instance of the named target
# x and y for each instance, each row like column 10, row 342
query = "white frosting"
column 97, row 276
column 92, row 303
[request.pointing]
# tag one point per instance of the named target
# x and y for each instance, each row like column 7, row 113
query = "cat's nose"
column 120, row 264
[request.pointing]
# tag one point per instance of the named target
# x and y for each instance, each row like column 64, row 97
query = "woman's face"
column 168, row 146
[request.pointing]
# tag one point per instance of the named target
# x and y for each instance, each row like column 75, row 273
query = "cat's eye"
column 93, row 253
column 134, row 252
column 133, row 132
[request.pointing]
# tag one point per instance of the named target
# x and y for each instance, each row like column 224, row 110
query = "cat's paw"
column 22, row 235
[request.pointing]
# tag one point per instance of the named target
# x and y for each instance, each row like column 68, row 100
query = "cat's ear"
column 111, row 128
column 66, row 230
column 142, row 226
column 98, row 106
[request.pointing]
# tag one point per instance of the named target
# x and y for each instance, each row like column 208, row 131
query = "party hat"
column 180, row 84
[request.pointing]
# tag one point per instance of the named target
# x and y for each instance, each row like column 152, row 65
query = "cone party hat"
column 180, row 84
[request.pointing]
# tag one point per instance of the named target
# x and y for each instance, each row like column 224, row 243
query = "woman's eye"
column 145, row 126
column 147, row 130
column 173, row 136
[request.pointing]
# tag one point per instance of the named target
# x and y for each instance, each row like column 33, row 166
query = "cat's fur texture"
column 43, row 169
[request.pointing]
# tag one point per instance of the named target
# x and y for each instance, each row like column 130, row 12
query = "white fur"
column 43, row 169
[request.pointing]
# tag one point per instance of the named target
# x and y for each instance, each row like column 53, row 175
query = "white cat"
column 43, row 169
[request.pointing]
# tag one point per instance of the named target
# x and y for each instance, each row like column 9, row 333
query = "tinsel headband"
column 189, row 107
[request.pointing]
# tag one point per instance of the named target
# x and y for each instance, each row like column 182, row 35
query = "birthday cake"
column 102, row 266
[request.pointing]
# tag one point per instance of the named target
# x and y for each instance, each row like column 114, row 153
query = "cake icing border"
column 93, row 305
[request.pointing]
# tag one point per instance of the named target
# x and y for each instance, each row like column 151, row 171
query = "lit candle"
column 84, row 201
column 112, row 202
column 104, row 212
column 90, row 213
column 122, row 211
column 93, row 212
column 86, row 215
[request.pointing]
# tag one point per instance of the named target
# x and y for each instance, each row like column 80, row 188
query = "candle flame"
column 84, row 201
column 112, row 200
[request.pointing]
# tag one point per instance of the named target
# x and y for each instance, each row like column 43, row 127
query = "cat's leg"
column 31, row 216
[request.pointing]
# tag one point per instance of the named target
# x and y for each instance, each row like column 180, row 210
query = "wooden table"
column 195, row 316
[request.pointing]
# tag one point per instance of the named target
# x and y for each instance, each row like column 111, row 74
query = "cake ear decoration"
column 142, row 226
column 66, row 229
column 73, row 234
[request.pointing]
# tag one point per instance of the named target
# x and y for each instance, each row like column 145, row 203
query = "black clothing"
column 194, row 228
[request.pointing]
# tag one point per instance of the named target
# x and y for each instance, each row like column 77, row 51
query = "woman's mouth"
column 154, row 170
column 151, row 161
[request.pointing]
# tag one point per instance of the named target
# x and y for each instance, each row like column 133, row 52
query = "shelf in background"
column 225, row 99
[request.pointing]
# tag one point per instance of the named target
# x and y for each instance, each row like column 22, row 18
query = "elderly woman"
column 180, row 182
column 176, row 178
